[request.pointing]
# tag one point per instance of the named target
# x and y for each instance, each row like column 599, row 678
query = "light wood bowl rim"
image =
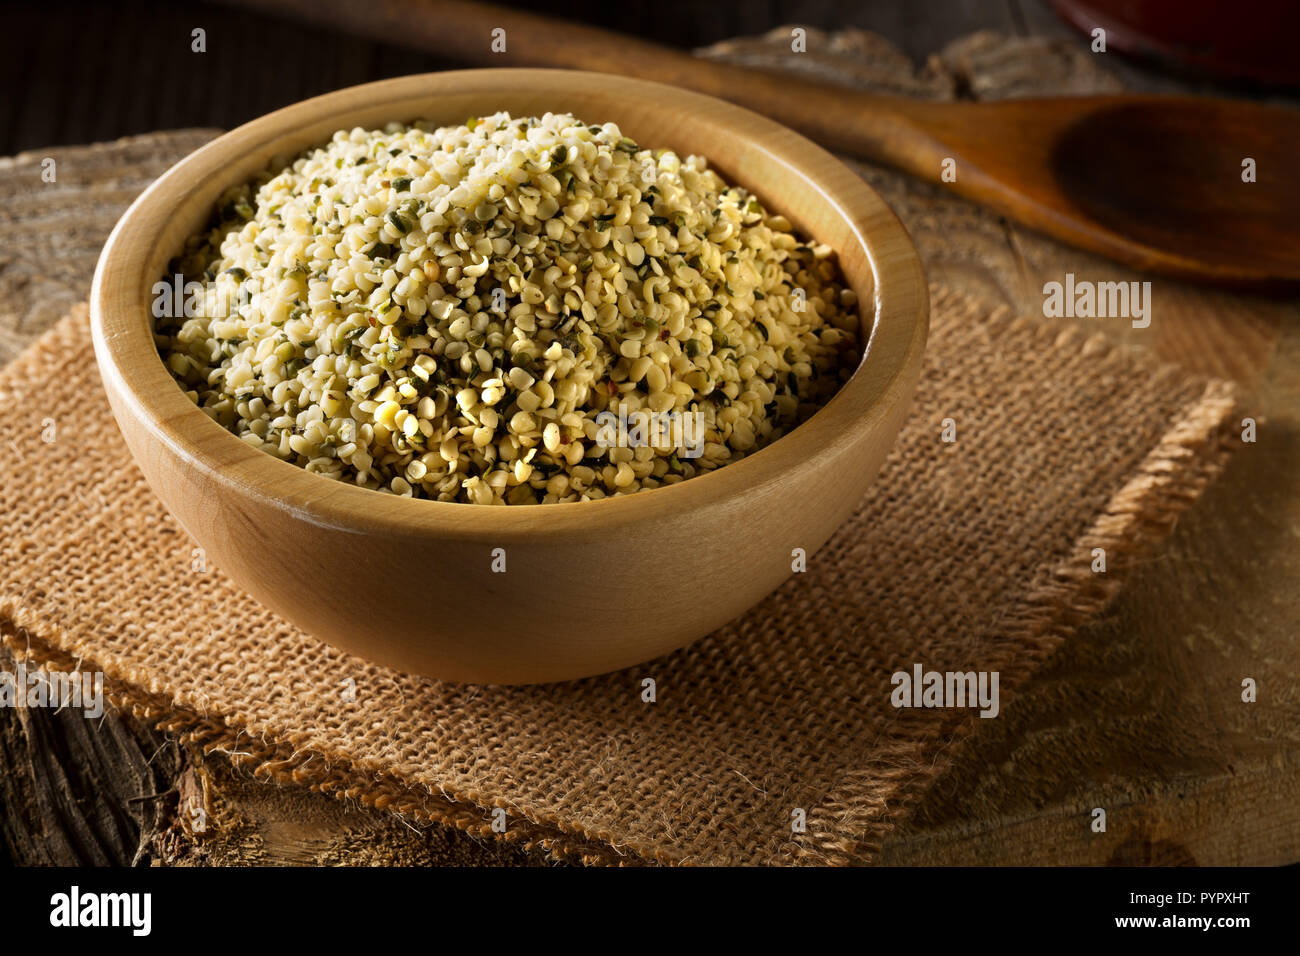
column 129, row 361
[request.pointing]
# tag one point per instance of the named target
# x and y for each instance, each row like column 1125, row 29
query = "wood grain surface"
column 1140, row 714
column 56, row 50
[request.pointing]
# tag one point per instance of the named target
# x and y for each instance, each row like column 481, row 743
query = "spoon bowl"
column 1190, row 187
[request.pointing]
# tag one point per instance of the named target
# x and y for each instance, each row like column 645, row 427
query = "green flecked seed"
column 402, row 327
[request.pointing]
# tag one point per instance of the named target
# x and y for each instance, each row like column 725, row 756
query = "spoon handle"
column 882, row 128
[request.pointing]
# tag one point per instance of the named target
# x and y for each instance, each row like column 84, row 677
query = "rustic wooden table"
column 1140, row 713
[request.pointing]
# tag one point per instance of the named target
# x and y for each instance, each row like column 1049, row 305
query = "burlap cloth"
column 971, row 555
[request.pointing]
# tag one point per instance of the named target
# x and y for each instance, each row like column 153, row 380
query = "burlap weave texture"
column 970, row 555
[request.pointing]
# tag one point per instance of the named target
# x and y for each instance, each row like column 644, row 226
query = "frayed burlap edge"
column 850, row 825
column 273, row 762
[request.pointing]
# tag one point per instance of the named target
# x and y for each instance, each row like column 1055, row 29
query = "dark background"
column 79, row 72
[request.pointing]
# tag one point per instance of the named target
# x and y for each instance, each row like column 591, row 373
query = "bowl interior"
column 820, row 196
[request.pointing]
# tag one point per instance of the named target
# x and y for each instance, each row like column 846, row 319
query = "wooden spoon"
column 1153, row 181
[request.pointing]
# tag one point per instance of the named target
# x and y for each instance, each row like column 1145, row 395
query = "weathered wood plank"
column 82, row 791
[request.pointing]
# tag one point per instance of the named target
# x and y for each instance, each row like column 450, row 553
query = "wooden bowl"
column 588, row 587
